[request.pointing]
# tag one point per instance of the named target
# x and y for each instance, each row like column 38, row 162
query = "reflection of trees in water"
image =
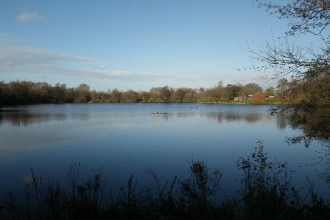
column 165, row 116
column 219, row 118
column 214, row 116
column 281, row 121
column 252, row 117
column 233, row 116
column 248, row 117
column 80, row 116
column 315, row 124
column 24, row 119
column 183, row 114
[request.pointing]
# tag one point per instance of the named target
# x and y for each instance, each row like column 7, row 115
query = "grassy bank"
column 266, row 192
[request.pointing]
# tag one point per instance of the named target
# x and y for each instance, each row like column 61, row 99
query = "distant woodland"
column 27, row 92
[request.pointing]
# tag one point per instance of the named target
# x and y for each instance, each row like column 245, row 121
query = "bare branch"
column 307, row 16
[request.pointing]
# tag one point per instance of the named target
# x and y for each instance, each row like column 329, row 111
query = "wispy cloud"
column 21, row 55
column 27, row 16
column 16, row 58
column 30, row 60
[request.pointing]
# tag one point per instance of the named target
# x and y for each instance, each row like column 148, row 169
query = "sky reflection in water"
column 126, row 138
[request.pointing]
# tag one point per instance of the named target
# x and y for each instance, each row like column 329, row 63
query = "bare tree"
column 287, row 57
column 309, row 64
column 306, row 16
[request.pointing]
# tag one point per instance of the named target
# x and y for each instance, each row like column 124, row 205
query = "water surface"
column 126, row 138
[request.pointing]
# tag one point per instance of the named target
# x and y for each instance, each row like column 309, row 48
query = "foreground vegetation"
column 266, row 193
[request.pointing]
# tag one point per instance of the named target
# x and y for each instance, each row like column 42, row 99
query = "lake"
column 121, row 139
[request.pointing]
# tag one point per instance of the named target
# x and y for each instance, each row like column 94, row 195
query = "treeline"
column 27, row 92
column 309, row 100
column 311, row 91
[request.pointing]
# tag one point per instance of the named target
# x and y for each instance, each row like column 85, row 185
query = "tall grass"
column 266, row 192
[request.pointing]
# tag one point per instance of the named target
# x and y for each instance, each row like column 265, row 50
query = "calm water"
column 126, row 138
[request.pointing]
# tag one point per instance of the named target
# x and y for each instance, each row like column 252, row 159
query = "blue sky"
column 131, row 44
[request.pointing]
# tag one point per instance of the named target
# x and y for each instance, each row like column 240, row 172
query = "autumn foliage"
column 258, row 98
